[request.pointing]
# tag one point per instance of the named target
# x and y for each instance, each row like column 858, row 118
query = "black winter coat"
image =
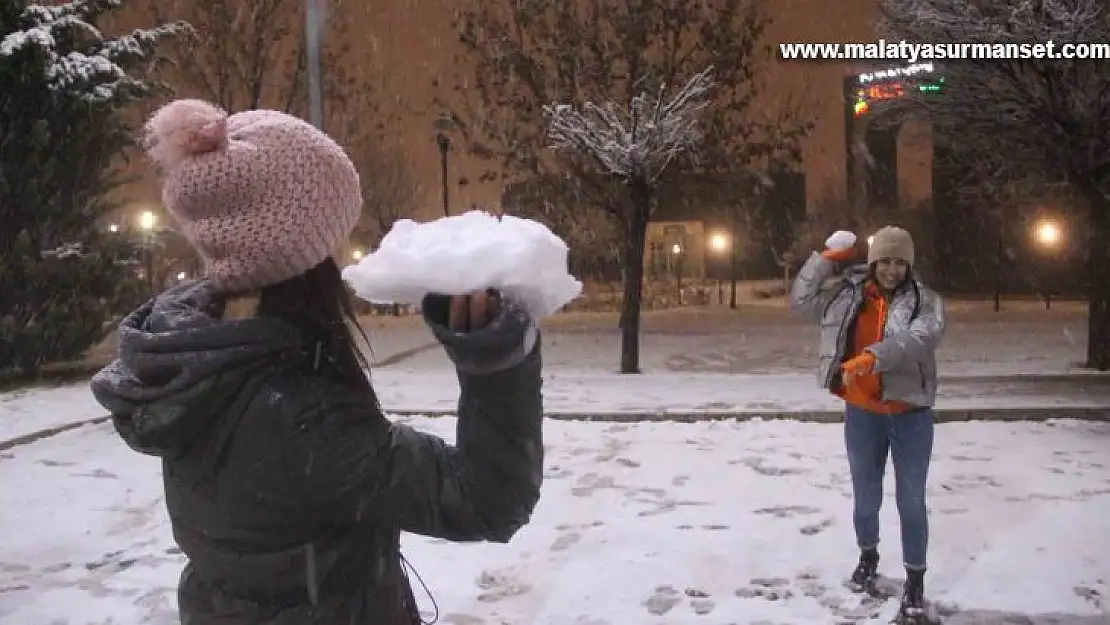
column 288, row 492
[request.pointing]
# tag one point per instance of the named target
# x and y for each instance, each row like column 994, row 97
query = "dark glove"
column 482, row 333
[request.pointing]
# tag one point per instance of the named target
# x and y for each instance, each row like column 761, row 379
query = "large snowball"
column 466, row 253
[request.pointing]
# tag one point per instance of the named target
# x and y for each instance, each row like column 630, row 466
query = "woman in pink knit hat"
column 286, row 486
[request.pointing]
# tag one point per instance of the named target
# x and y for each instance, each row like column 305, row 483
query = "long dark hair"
column 318, row 304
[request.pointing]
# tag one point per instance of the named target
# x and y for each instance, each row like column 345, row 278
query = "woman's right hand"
column 841, row 246
column 473, row 312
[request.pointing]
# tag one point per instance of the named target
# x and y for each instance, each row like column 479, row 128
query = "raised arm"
column 362, row 467
column 809, row 295
column 919, row 340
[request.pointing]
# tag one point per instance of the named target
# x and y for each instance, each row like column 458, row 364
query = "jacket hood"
column 179, row 367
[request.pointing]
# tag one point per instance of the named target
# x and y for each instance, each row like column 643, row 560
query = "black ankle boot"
column 913, row 594
column 863, row 577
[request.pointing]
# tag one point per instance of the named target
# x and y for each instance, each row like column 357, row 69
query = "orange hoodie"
column 866, row 391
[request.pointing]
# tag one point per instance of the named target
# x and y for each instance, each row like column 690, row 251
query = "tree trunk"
column 1098, row 277
column 636, row 238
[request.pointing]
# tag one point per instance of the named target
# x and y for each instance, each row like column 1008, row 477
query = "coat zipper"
column 882, row 335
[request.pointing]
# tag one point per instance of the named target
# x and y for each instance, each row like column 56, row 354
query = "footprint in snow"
column 590, row 483
column 499, row 585
column 768, row 588
column 816, row 528
column 99, row 474
column 565, row 541
column 700, row 601
column 786, row 512
column 454, row 618
column 663, row 600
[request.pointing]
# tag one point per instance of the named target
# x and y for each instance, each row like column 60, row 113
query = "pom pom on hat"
column 182, row 129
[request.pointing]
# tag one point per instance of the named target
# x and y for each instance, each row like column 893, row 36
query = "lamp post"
column 443, row 124
column 1048, row 236
column 147, row 223
column 677, row 251
column 718, row 244
column 313, row 20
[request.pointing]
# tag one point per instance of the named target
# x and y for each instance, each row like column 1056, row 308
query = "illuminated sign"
column 897, row 72
column 894, row 90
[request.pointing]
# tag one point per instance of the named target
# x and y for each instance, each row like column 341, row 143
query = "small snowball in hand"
column 840, row 240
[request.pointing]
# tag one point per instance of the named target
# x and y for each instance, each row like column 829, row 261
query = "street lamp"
column 114, row 228
column 357, row 255
column 676, row 251
column 147, row 222
column 718, row 242
column 1048, row 236
column 443, row 124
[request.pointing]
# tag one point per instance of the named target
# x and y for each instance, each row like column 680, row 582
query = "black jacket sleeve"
column 361, row 467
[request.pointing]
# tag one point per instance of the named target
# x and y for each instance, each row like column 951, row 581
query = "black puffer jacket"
column 287, row 492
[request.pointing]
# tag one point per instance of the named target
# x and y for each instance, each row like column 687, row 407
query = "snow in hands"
column 77, row 57
column 639, row 141
column 840, row 240
column 467, row 253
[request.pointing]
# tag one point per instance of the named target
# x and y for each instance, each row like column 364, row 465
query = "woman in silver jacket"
column 880, row 328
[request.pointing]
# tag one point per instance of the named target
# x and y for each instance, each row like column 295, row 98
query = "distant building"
column 699, row 217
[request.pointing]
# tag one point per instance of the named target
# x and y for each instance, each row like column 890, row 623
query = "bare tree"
column 243, row 55
column 250, row 55
column 1016, row 124
column 389, row 190
column 636, row 143
column 522, row 56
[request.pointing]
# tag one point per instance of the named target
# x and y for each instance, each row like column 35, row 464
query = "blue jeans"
column 909, row 439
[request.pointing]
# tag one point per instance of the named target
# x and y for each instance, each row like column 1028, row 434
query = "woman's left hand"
column 474, row 311
column 860, row 365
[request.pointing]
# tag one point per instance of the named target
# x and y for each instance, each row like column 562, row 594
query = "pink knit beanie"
column 263, row 196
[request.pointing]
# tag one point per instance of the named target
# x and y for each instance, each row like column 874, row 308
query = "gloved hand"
column 482, row 332
column 841, row 246
column 860, row 365
column 469, row 313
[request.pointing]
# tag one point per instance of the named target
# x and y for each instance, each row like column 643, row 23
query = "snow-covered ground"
column 756, row 360
column 761, row 337
column 639, row 524
column 645, row 523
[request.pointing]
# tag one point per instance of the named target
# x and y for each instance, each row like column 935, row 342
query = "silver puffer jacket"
column 905, row 357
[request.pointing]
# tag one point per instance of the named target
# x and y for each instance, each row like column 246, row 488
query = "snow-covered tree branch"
column 1017, row 125
column 1028, row 119
column 75, row 56
column 638, row 140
